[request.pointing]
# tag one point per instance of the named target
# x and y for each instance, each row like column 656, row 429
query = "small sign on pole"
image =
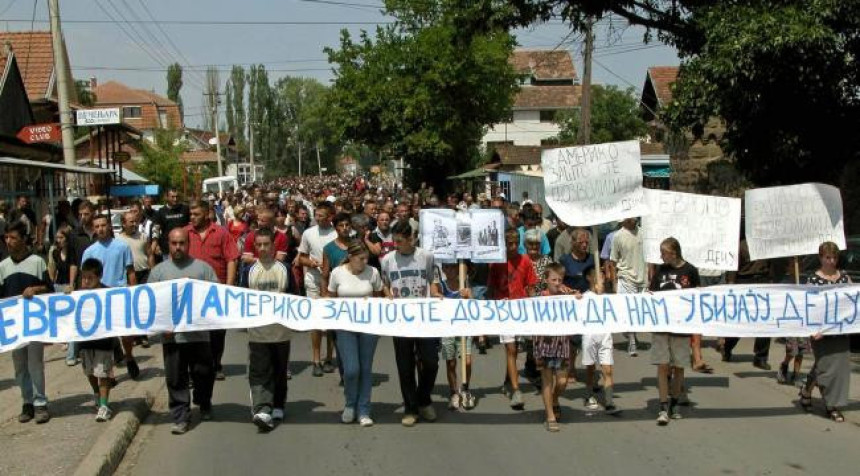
column 36, row 133
column 99, row 117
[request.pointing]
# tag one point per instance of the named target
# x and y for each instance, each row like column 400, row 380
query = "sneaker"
column 42, row 415
column 133, row 368
column 328, row 367
column 289, row 374
column 71, row 362
column 409, row 420
column 144, row 342
column 104, row 414
column 506, row 390
column 631, row 348
column 427, row 413
column 318, row 371
column 219, row 375
column 27, row 413
column 675, row 412
column 663, row 418
column 206, row 414
column 468, row 400
column 611, row 409
column 761, row 364
column 454, row 402
column 482, row 347
column 278, row 414
column 179, row 428
column 264, row 421
column 517, row 402
column 365, row 421
column 348, row 415
column 782, row 373
column 591, row 403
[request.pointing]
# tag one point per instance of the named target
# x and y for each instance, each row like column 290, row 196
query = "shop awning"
column 477, row 173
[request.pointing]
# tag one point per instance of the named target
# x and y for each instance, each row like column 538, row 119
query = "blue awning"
column 656, row 172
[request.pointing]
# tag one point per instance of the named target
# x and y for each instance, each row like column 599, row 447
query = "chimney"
column 93, row 83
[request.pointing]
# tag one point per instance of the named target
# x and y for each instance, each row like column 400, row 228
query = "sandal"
column 835, row 415
column 805, row 400
column 703, row 368
column 552, row 426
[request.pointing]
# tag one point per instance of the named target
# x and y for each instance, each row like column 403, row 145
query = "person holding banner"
column 669, row 351
column 25, row 274
column 186, row 352
column 408, row 273
column 355, row 279
column 628, row 266
column 831, row 372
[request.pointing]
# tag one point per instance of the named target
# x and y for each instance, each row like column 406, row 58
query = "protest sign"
column 707, row 227
column 792, row 220
column 475, row 234
column 188, row 305
column 594, row 184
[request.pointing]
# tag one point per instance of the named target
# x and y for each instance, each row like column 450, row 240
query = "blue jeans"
column 355, row 350
column 72, row 353
column 30, row 373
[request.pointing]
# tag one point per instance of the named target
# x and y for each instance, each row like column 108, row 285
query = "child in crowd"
column 97, row 355
column 552, row 354
column 452, row 347
column 597, row 350
column 515, row 279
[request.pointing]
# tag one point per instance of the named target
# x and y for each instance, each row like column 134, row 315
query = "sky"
column 287, row 36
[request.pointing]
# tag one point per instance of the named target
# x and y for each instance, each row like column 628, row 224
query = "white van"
column 219, row 185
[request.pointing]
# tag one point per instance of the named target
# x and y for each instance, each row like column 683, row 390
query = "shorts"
column 797, row 346
column 312, row 285
column 451, row 347
column 597, row 349
column 507, row 339
column 97, row 362
column 553, row 363
column 672, row 349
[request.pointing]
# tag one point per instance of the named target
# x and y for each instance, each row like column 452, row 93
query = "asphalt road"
column 741, row 422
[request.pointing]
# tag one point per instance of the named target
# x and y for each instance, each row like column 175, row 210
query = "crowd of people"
column 348, row 237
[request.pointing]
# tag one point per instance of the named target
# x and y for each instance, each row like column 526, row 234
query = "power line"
column 166, row 35
column 164, row 69
column 598, row 63
column 215, row 22
column 11, row 4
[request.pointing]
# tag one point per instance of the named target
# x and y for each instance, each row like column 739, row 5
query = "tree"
column 174, row 84
column 615, row 116
column 237, row 104
column 301, row 105
column 86, row 96
column 211, row 98
column 424, row 88
column 161, row 158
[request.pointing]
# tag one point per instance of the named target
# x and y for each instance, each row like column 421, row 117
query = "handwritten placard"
column 594, row 184
column 792, row 220
column 707, row 227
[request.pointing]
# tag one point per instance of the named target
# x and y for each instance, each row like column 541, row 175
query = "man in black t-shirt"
column 172, row 215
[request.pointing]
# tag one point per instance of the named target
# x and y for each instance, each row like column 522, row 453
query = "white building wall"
column 526, row 129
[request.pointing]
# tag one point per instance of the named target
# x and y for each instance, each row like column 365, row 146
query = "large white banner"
column 792, row 220
column 187, row 305
column 707, row 227
column 594, row 184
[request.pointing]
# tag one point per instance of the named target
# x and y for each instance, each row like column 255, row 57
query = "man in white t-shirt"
column 628, row 262
column 408, row 273
column 310, row 256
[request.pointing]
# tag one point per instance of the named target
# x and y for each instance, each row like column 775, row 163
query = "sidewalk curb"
column 107, row 453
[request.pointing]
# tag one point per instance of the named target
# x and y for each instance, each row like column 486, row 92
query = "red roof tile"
column 548, row 97
column 35, row 55
column 662, row 78
column 115, row 93
column 544, row 64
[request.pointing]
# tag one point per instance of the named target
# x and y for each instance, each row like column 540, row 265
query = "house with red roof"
column 141, row 109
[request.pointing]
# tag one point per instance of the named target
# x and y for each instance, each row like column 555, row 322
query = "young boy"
column 597, row 350
column 268, row 346
column 97, row 355
column 451, row 346
column 515, row 279
column 552, row 354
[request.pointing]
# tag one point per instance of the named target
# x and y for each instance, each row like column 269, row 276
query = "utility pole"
column 300, row 158
column 319, row 165
column 585, row 102
column 63, row 91
column 214, row 99
column 251, row 149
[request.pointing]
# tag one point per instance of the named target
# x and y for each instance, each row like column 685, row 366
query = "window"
column 162, row 117
column 547, row 116
column 131, row 112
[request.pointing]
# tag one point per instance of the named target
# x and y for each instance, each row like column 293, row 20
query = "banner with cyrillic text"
column 792, row 220
column 594, row 184
column 708, row 228
column 188, row 305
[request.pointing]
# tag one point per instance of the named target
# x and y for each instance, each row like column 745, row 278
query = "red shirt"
column 510, row 280
column 237, row 229
column 217, row 249
column 281, row 245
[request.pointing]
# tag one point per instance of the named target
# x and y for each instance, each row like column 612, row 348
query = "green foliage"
column 615, row 116
column 236, row 105
column 174, row 84
column 161, row 158
column 86, row 96
column 426, row 87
